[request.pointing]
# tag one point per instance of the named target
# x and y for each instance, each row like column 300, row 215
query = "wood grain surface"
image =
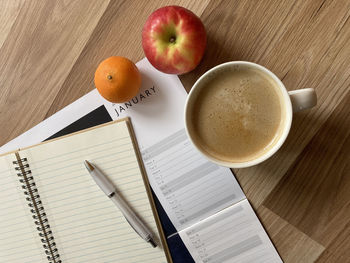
column 49, row 51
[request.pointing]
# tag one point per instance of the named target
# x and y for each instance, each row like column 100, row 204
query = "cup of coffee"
column 239, row 113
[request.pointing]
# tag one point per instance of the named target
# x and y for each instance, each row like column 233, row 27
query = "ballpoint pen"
column 107, row 187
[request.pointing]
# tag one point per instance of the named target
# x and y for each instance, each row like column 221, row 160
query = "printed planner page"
column 232, row 235
column 189, row 187
column 86, row 224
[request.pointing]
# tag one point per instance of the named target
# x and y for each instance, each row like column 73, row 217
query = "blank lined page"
column 86, row 225
column 19, row 239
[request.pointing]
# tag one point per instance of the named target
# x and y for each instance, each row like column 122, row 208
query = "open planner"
column 53, row 211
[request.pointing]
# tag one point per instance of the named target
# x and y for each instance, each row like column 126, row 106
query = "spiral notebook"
column 52, row 210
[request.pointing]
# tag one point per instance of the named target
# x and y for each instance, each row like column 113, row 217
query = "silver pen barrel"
column 107, row 187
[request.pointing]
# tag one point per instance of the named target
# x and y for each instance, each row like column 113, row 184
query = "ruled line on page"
column 102, row 150
column 81, row 176
column 80, row 149
column 64, row 162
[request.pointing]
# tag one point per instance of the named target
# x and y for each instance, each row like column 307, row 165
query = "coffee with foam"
column 237, row 114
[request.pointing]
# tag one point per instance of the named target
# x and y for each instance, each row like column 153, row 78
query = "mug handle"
column 302, row 99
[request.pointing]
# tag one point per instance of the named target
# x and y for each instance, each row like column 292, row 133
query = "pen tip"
column 154, row 244
column 88, row 166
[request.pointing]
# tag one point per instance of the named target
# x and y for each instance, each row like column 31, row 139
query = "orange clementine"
column 117, row 79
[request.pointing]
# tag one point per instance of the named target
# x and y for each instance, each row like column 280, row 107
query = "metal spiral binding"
column 37, row 209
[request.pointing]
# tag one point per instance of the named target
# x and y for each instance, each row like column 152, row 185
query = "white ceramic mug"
column 293, row 101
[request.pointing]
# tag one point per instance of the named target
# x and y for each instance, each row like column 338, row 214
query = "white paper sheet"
column 193, row 188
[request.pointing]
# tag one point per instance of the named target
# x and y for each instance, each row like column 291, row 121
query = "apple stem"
column 109, row 77
column 172, row 39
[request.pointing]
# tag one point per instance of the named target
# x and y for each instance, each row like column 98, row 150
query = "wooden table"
column 49, row 51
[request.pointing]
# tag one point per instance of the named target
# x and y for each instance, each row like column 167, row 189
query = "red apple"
column 174, row 39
